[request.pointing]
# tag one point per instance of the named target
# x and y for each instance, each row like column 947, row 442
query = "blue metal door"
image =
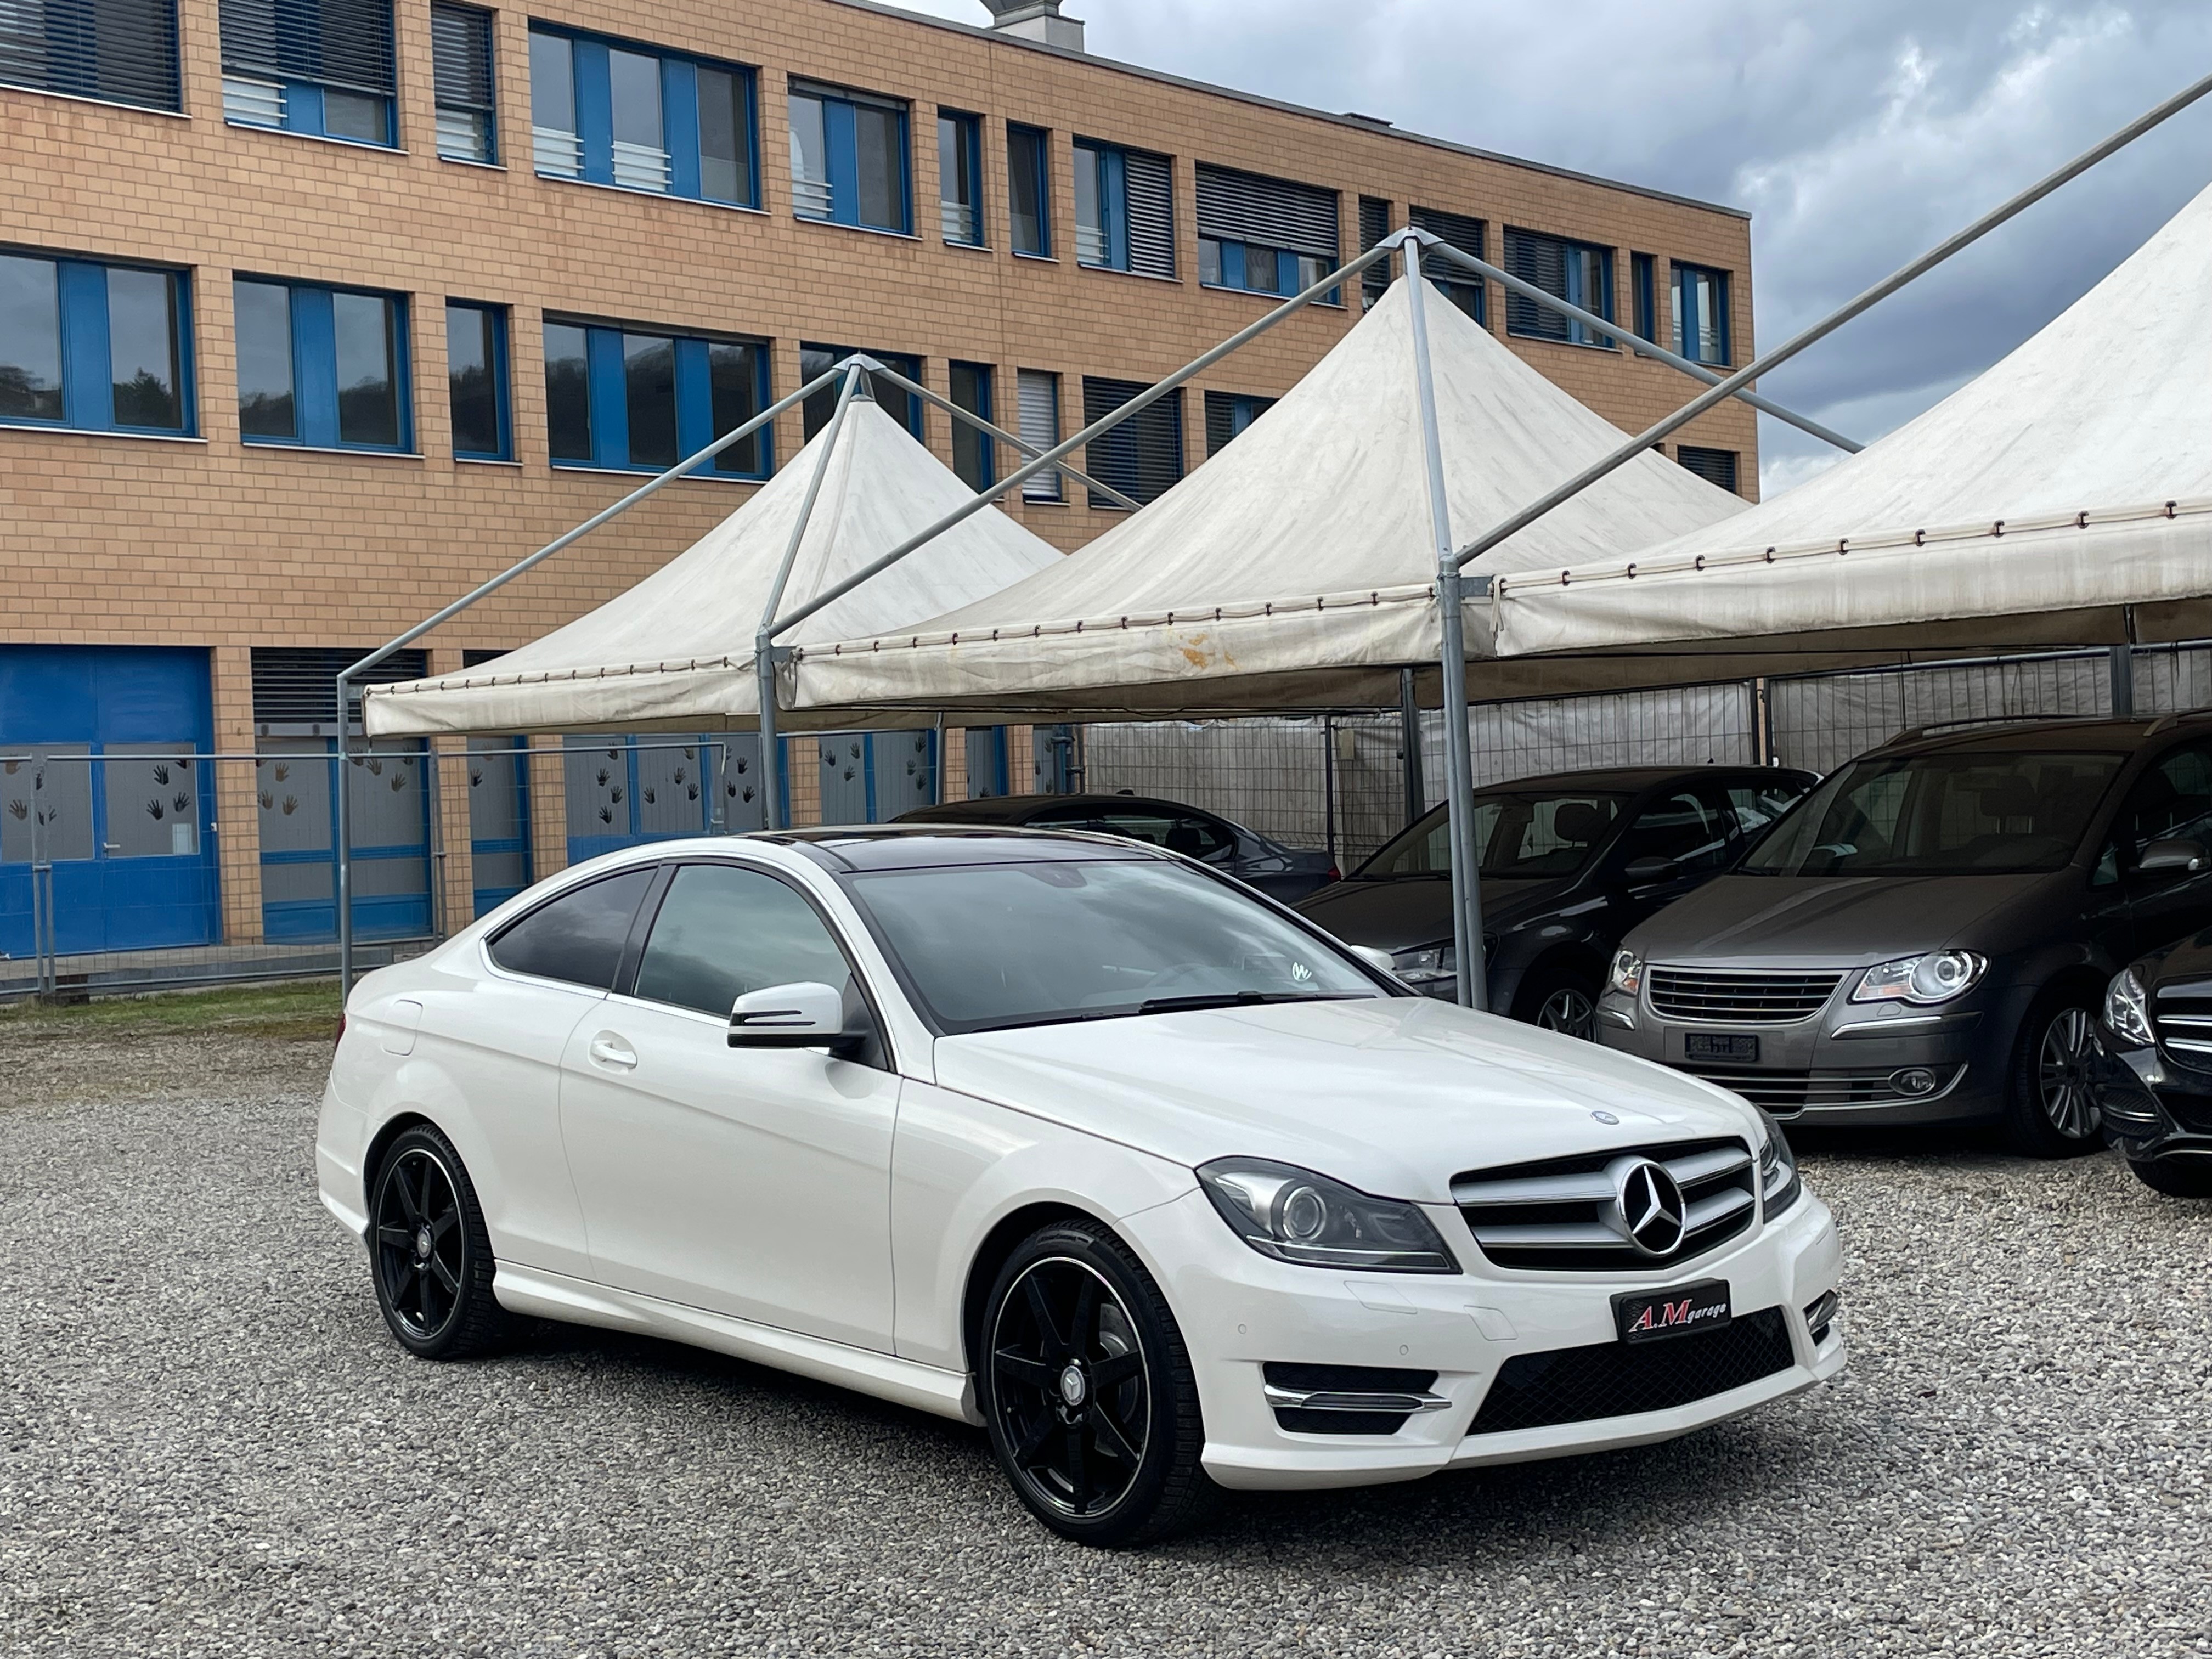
column 295, row 789
column 499, row 819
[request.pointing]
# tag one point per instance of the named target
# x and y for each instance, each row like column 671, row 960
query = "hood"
column 1835, row 921
column 1416, row 910
column 1394, row 1095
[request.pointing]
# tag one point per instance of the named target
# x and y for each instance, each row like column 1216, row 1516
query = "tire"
column 1086, row 1389
column 2177, row 1177
column 429, row 1252
column 1562, row 999
column 2050, row 1108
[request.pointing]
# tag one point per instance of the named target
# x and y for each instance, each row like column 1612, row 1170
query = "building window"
column 901, row 404
column 102, row 348
column 960, row 177
column 975, row 452
column 1038, row 392
column 1578, row 272
column 609, row 112
column 1701, row 314
column 321, row 67
column 1142, row 457
column 322, row 366
column 1643, row 281
column 476, row 376
column 461, row 47
column 1265, row 235
column 1227, row 414
column 1029, row 190
column 848, row 159
column 1124, row 209
column 1464, row 289
column 1715, row 466
column 1373, row 226
column 641, row 401
column 120, row 51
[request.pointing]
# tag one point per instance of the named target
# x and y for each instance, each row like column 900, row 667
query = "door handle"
column 609, row 1049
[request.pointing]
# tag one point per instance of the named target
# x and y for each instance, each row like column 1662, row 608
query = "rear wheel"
column 1088, row 1393
column 428, row 1252
column 1562, row 999
column 2177, row 1177
column 2051, row 1110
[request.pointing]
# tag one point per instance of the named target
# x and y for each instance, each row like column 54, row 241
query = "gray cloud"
column 1858, row 135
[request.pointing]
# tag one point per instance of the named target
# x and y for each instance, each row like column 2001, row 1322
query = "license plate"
column 1652, row 1316
column 1710, row 1045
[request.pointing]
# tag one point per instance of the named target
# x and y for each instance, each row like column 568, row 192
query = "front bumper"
column 1239, row 1311
column 2151, row 1107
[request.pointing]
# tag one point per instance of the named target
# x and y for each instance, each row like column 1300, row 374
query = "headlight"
column 1425, row 962
column 1779, row 1184
column 1294, row 1215
column 2127, row 1011
column 1937, row 978
column 1627, row 974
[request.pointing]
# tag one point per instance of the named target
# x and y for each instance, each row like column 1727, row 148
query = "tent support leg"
column 343, row 792
column 1409, row 746
column 2122, row 659
column 771, row 759
column 1459, row 757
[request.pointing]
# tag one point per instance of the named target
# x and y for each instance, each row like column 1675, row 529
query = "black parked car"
column 1279, row 872
column 1570, row 863
column 2154, row 1068
column 1927, row 938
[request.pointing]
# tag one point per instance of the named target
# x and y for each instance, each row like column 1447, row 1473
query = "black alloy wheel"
column 428, row 1251
column 1087, row 1390
column 2052, row 1111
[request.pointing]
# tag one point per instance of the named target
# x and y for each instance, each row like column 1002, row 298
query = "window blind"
column 1038, row 394
column 1373, row 226
column 336, row 43
column 1715, row 466
column 460, row 39
column 1142, row 457
column 122, row 50
column 1244, row 207
column 1150, row 191
column 1462, row 287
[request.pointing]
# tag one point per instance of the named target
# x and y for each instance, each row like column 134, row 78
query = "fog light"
column 1913, row 1080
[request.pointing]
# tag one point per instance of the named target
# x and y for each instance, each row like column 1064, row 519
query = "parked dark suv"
column 2153, row 1070
column 1570, row 863
column 1927, row 937
column 1281, row 872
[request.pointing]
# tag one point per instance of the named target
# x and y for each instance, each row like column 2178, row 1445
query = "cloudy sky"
column 1858, row 135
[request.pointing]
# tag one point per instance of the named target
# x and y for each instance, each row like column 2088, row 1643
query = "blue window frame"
column 323, row 367
column 477, row 381
column 98, row 347
column 640, row 400
column 960, row 177
column 1029, row 190
column 1701, row 314
column 1124, row 209
column 816, row 360
column 120, row 51
column 611, row 113
column 321, row 67
column 849, row 164
column 1643, row 279
column 1580, row 273
column 975, row 452
column 1227, row 414
column 464, row 85
column 1265, row 235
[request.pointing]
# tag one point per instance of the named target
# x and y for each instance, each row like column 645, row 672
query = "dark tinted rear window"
column 579, row 936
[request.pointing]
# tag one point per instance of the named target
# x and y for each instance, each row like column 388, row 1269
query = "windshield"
column 1943, row 814
column 1535, row 836
column 984, row 947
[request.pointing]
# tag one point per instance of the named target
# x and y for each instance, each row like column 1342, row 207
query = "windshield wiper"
column 1241, row 1000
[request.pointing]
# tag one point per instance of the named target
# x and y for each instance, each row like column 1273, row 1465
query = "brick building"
column 315, row 313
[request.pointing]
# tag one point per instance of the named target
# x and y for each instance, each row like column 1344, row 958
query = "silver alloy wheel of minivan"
column 1570, row 1009
column 2061, row 1073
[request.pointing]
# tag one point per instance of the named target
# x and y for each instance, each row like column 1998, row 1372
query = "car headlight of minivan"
column 1424, row 963
column 1935, row 977
column 1294, row 1215
column 1626, row 974
column 1779, row 1184
column 2127, row 1011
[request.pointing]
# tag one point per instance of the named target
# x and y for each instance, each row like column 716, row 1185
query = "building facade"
column 315, row 314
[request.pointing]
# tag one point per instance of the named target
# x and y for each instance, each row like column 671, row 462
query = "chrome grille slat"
column 1739, row 996
column 1704, row 1166
column 1557, row 1213
column 1535, row 1189
column 2182, row 1017
column 1561, row 1236
column 1706, row 1212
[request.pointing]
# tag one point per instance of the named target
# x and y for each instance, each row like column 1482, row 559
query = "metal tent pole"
column 763, row 641
column 1459, row 757
column 343, row 791
column 1409, row 744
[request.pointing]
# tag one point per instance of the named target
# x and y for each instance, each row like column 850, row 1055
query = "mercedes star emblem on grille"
column 1647, row 1206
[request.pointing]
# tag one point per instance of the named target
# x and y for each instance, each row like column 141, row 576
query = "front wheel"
column 2050, row 1110
column 2177, row 1177
column 1087, row 1390
column 428, row 1250
column 1563, row 1001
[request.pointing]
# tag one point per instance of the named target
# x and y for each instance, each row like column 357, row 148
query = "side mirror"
column 807, row 1014
column 1374, row 958
column 2178, row 857
column 1640, row 872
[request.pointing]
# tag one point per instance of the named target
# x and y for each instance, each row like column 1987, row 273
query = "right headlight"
column 1627, row 975
column 1922, row 981
column 1294, row 1215
column 1425, row 962
column 1779, row 1184
column 2127, row 1011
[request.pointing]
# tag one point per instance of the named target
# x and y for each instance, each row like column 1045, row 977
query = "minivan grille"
column 1732, row 996
column 1562, row 1212
column 1785, row 1094
column 1624, row 1379
column 2182, row 1016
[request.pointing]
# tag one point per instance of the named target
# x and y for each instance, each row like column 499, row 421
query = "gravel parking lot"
column 209, row 1445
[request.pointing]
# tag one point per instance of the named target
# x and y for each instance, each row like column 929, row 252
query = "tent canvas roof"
column 1297, row 567
column 675, row 653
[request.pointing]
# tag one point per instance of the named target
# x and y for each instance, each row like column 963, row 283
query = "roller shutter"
column 1142, row 457
column 1244, row 207
column 332, row 43
column 124, row 51
column 1150, row 191
column 1464, row 290
column 1373, row 226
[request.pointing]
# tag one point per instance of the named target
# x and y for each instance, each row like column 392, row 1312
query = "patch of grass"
column 303, row 1013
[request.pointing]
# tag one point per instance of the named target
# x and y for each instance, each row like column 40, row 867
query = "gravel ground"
column 209, row 1445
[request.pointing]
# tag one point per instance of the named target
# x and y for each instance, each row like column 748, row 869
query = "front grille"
column 1732, row 996
column 1785, row 1094
column 2182, row 1014
column 1562, row 1212
column 1625, row 1379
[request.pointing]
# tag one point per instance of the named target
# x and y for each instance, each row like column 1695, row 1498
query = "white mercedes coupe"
column 1075, row 1140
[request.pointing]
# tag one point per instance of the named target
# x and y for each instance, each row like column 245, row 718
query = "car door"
column 2170, row 801
column 754, row 1182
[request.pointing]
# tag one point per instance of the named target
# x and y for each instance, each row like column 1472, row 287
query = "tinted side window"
column 1755, row 805
column 579, row 936
column 723, row 930
column 1680, row 827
